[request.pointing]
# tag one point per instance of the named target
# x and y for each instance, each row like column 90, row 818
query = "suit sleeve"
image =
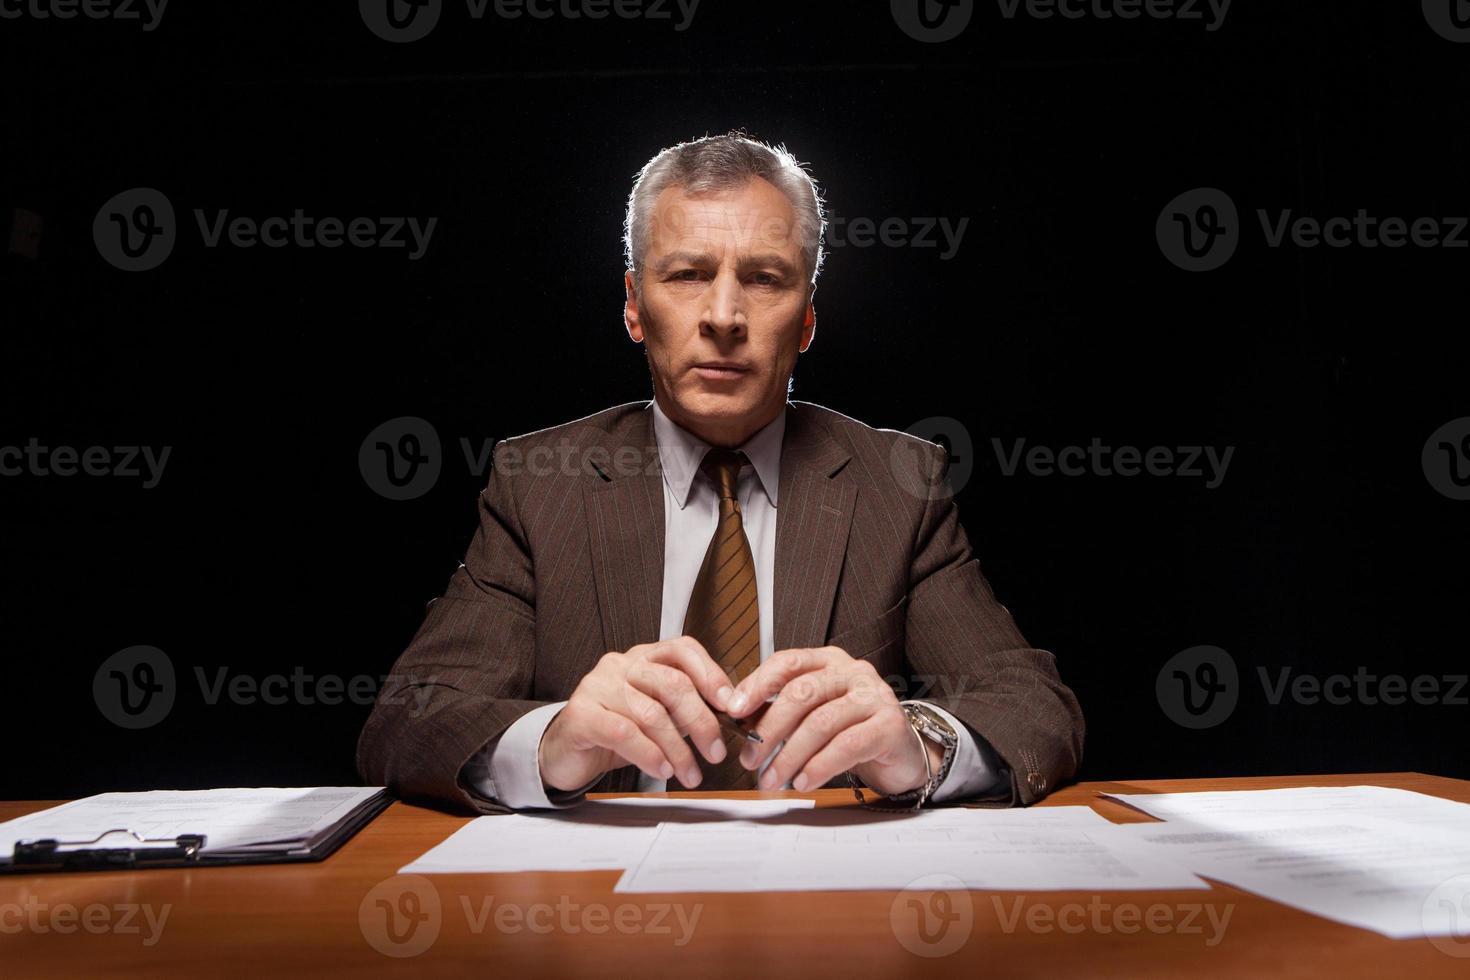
column 466, row 675
column 987, row 675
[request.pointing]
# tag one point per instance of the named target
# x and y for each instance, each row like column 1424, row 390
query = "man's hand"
column 834, row 713
column 636, row 707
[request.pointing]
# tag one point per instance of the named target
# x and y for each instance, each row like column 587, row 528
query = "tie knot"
column 722, row 466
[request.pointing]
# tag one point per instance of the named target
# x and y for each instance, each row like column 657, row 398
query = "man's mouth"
column 721, row 370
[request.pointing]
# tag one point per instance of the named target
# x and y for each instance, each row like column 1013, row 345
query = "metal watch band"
column 926, row 724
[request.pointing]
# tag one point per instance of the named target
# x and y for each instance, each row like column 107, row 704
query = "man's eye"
column 688, row 275
column 766, row 279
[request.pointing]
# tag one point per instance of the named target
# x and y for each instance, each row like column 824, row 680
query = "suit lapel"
column 813, row 517
column 625, row 527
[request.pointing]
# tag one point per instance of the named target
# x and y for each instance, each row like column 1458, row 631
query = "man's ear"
column 630, row 309
column 808, row 326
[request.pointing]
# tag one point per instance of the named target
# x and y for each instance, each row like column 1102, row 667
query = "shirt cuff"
column 976, row 769
column 510, row 772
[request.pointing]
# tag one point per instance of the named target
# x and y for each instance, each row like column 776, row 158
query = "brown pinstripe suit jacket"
column 567, row 564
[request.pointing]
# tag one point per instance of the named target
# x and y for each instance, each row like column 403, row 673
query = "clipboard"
column 185, row 851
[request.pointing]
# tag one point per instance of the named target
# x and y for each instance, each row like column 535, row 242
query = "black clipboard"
column 186, row 851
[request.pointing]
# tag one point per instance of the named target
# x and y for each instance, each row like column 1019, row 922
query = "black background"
column 264, row 550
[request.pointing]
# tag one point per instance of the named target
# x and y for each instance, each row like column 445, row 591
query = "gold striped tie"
column 723, row 613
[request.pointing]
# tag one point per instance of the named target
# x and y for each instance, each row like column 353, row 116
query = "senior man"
column 650, row 584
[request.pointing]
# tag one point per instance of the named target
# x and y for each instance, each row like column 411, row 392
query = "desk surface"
column 284, row 920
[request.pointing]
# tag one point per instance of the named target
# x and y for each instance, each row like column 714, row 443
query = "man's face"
column 725, row 308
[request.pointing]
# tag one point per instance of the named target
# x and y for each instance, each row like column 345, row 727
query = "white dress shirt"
column 510, row 773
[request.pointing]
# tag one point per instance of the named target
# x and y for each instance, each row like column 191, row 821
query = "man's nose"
column 726, row 310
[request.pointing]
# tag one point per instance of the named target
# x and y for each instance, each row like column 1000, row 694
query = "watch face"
column 931, row 720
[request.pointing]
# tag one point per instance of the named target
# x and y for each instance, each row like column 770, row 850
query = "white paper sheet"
column 229, row 818
column 1401, row 805
column 1395, row 878
column 599, row 835
column 1044, row 848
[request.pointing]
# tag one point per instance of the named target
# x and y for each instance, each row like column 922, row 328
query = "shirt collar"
column 680, row 452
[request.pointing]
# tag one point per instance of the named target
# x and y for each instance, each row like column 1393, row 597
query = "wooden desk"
column 285, row 920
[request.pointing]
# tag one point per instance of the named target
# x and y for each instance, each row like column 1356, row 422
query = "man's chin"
column 712, row 405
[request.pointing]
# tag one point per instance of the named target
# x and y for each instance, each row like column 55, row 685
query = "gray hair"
column 717, row 163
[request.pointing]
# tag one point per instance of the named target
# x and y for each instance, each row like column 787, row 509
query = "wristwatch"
column 927, row 724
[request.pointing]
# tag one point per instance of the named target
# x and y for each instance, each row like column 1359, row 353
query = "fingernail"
column 768, row 779
column 799, row 783
column 716, row 751
column 737, row 703
column 692, row 777
column 722, row 697
column 666, row 770
column 747, row 756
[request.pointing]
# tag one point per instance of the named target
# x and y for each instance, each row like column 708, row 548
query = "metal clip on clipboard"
column 47, row 854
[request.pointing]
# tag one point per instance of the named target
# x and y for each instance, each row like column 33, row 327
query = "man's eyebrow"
column 771, row 259
column 666, row 262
